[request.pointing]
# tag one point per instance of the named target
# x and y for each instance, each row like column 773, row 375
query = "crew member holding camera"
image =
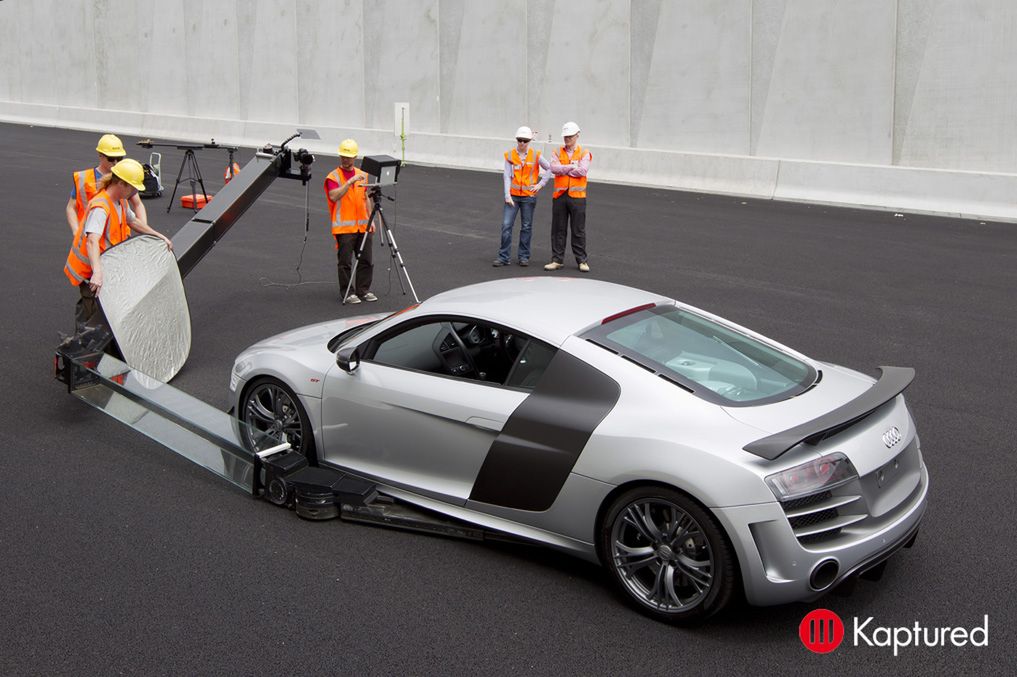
column 110, row 150
column 348, row 210
column 108, row 221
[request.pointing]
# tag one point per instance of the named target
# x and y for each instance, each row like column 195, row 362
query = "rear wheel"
column 667, row 554
column 273, row 413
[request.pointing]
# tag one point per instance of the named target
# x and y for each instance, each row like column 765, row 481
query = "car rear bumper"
column 776, row 568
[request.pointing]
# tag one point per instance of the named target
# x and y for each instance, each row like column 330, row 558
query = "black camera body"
column 303, row 156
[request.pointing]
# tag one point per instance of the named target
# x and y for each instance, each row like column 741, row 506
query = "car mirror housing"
column 348, row 359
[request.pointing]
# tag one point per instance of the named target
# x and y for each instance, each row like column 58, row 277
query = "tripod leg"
column 384, row 237
column 197, row 172
column 192, row 181
column 395, row 255
column 176, row 185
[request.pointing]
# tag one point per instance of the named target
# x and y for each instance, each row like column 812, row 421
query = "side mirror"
column 348, row 359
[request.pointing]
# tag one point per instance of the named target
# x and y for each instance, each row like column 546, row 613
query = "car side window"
column 529, row 367
column 464, row 349
column 412, row 349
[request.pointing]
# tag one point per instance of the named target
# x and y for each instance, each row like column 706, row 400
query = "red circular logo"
column 821, row 631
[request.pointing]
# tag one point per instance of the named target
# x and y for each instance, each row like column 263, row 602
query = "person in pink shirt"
column 569, row 165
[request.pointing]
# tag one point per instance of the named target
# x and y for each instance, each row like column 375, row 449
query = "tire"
column 667, row 555
column 270, row 406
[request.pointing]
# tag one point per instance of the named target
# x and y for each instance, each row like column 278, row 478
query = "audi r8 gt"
column 695, row 459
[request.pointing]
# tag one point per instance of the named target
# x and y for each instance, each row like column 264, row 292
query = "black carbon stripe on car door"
column 531, row 458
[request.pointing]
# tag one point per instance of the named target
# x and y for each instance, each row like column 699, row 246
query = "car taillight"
column 808, row 478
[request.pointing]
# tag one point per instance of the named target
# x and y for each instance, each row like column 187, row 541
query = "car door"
column 418, row 412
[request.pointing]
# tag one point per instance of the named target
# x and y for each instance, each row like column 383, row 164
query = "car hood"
column 837, row 387
column 313, row 334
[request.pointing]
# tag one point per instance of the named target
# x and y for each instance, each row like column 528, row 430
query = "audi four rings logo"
column 892, row 437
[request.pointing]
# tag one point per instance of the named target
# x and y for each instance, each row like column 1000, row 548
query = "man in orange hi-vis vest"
column 568, row 209
column 348, row 211
column 110, row 150
column 525, row 173
column 108, row 221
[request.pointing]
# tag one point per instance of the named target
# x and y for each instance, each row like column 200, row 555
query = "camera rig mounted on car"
column 219, row 441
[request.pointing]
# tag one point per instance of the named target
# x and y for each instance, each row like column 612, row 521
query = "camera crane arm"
column 209, row 225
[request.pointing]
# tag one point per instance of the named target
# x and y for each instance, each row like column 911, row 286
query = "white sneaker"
column 554, row 265
column 352, row 298
column 584, row 267
column 370, row 297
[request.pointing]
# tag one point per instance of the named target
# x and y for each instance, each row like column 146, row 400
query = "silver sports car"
column 693, row 457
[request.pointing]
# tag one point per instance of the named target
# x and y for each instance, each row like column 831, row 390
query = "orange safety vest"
column 575, row 185
column 231, row 171
column 349, row 215
column 78, row 268
column 84, row 190
column 525, row 174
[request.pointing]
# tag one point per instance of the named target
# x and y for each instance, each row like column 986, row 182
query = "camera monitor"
column 383, row 169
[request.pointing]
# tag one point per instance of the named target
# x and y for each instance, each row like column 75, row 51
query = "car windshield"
column 705, row 357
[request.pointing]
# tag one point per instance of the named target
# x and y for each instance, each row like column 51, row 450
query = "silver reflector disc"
column 143, row 299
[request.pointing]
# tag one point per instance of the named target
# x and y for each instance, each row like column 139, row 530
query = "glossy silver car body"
column 425, row 438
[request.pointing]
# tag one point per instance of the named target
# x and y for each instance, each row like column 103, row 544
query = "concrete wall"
column 904, row 104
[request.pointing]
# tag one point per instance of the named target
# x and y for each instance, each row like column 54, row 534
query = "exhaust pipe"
column 824, row 574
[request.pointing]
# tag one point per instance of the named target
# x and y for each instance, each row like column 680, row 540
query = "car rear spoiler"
column 892, row 382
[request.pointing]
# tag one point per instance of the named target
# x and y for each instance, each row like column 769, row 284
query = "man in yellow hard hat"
column 110, row 150
column 348, row 211
column 108, row 221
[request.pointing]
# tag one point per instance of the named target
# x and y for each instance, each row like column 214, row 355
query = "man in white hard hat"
column 526, row 172
column 111, row 150
column 348, row 210
column 108, row 221
column 568, row 209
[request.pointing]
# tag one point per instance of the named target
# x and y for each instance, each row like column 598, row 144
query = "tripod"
column 193, row 176
column 395, row 258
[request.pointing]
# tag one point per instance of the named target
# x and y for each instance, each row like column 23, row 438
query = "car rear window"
column 705, row 357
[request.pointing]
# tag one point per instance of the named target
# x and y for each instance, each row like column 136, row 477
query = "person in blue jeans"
column 526, row 172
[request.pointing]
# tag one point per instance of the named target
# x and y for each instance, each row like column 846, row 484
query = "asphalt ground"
column 117, row 556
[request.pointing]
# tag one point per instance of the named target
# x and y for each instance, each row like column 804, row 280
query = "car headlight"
column 821, row 474
column 239, row 369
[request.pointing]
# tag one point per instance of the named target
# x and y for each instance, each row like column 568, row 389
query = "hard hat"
column 569, row 128
column 130, row 171
column 110, row 145
column 348, row 148
column 524, row 132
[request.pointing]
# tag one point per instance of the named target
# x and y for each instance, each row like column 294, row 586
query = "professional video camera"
column 302, row 157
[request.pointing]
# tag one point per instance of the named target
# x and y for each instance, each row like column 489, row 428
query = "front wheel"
column 667, row 555
column 271, row 411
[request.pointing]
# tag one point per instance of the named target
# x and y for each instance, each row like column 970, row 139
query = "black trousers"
column 348, row 244
column 568, row 211
column 87, row 313
column 85, row 308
